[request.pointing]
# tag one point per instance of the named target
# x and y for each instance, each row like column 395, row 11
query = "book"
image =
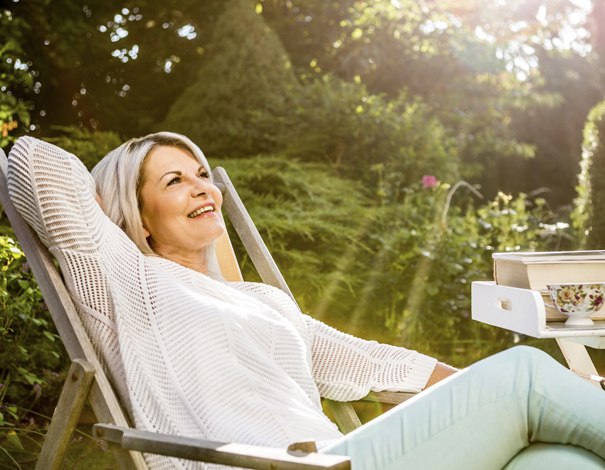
column 552, row 257
column 535, row 270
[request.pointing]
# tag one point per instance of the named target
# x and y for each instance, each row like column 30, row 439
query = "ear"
column 146, row 232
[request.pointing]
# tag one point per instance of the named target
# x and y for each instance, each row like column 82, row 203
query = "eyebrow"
column 179, row 173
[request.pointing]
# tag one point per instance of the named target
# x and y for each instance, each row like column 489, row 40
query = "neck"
column 196, row 261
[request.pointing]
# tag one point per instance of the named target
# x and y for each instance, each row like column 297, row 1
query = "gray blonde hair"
column 119, row 177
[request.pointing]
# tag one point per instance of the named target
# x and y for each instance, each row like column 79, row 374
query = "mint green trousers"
column 517, row 410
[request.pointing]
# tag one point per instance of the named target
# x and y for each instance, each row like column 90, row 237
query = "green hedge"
column 589, row 215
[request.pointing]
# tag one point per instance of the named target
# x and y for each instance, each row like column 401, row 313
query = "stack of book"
column 535, row 270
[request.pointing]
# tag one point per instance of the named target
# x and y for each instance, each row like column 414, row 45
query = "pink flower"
column 429, row 181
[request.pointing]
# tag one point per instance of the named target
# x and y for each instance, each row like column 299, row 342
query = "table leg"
column 578, row 360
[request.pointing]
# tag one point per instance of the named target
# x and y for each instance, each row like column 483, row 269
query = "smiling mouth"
column 200, row 211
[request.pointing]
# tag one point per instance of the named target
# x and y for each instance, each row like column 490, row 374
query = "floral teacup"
column 578, row 301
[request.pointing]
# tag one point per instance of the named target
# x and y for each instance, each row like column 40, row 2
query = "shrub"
column 14, row 77
column 248, row 70
column 589, row 215
column 341, row 124
column 305, row 213
column 32, row 356
column 90, row 147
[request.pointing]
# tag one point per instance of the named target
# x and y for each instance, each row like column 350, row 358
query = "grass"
column 84, row 453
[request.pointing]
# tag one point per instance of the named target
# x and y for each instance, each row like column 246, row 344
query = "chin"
column 218, row 232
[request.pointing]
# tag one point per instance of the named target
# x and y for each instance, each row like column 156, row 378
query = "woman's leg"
column 542, row 456
column 482, row 417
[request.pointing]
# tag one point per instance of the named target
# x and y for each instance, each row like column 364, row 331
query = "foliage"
column 413, row 40
column 248, row 71
column 589, row 216
column 84, row 451
column 32, row 356
column 416, row 278
column 110, row 64
column 90, row 147
column 305, row 213
column 341, row 124
column 556, row 134
column 14, row 77
column 462, row 59
column 114, row 65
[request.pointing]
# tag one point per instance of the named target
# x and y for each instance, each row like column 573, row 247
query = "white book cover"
column 551, row 257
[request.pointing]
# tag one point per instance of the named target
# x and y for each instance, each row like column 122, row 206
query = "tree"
column 16, row 78
column 555, row 133
column 118, row 65
column 108, row 64
column 248, row 70
column 490, row 71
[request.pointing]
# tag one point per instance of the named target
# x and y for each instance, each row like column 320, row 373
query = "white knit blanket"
column 189, row 355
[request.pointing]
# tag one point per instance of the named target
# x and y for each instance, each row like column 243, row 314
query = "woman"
column 196, row 356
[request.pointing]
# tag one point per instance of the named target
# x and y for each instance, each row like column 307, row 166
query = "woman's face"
column 180, row 206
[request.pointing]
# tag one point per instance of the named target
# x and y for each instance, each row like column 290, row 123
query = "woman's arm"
column 442, row 371
column 54, row 193
column 347, row 368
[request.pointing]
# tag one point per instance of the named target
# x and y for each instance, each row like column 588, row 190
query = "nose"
column 201, row 187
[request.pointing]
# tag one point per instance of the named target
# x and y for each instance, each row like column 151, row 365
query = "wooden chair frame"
column 86, row 379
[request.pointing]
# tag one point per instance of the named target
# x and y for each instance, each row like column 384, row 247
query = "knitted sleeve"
column 347, row 368
column 54, row 192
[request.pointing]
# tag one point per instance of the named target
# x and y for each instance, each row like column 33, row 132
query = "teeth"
column 201, row 211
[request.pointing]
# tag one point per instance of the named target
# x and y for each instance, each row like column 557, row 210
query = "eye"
column 174, row 180
column 204, row 174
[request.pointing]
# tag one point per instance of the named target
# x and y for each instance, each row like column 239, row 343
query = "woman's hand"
column 441, row 372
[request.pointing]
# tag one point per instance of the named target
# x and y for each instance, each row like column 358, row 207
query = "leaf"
column 31, row 378
column 13, row 440
column 50, row 336
column 15, row 251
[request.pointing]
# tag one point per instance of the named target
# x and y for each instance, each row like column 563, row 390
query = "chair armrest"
column 345, row 416
column 389, row 398
column 235, row 455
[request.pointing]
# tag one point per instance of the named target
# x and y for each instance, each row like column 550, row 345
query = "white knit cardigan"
column 189, row 355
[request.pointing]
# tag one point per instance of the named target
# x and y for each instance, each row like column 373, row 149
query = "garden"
column 385, row 149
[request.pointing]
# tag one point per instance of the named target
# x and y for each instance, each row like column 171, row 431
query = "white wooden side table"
column 523, row 311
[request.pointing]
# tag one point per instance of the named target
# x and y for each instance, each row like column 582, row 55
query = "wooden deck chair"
column 86, row 379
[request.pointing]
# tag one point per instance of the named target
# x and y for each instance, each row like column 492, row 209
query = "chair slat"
column 248, row 233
